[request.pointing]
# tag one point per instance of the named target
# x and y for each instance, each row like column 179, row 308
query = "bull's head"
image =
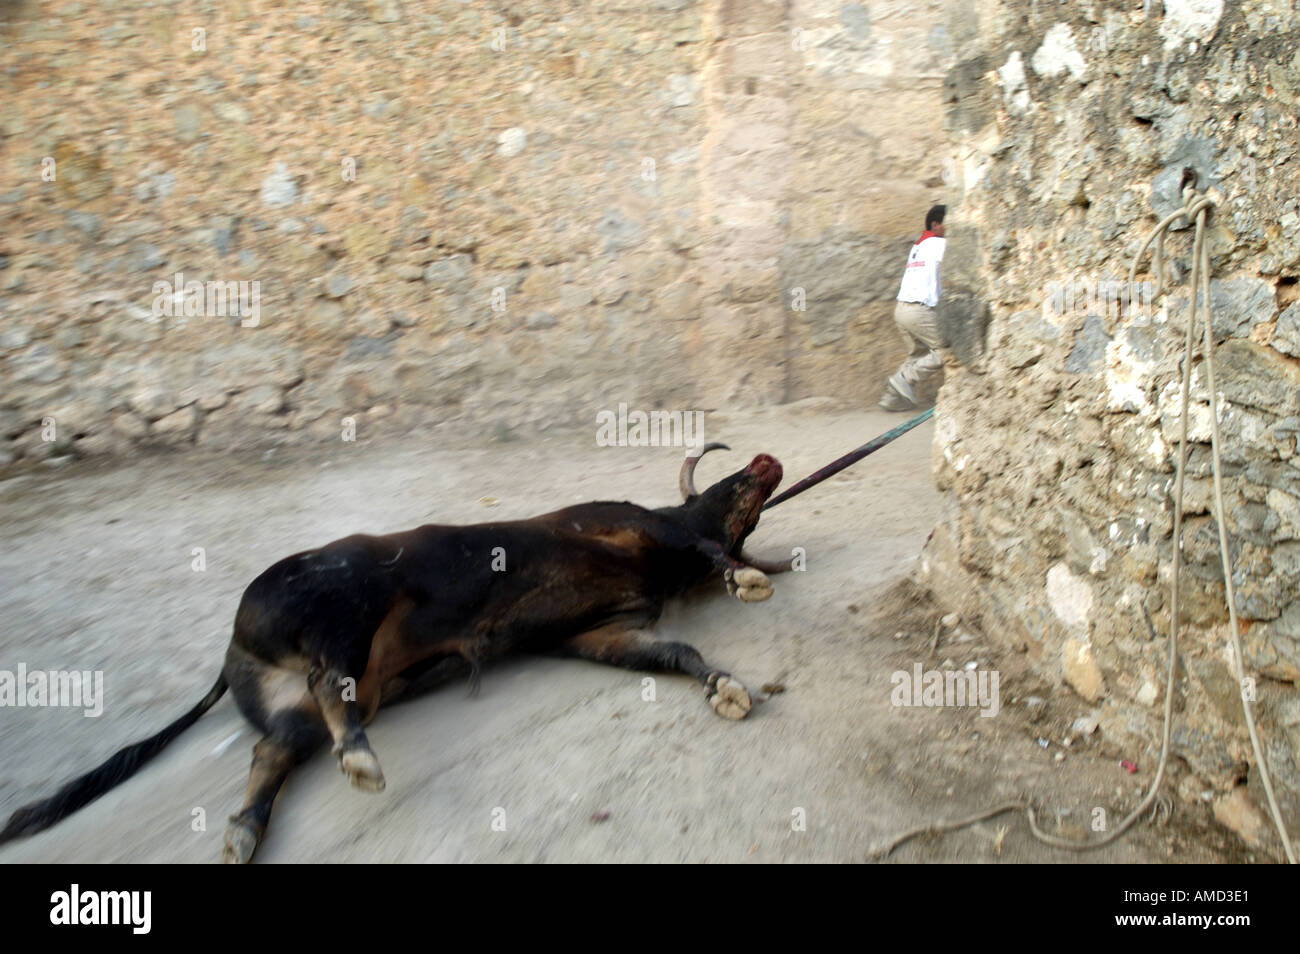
column 730, row 508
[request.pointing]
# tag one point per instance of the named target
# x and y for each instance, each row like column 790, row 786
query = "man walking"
column 915, row 316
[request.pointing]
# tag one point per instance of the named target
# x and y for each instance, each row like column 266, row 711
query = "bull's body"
column 477, row 592
column 323, row 638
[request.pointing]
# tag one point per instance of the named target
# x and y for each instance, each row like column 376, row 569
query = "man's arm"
column 942, row 245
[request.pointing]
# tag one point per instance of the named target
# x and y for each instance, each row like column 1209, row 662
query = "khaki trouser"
column 920, row 329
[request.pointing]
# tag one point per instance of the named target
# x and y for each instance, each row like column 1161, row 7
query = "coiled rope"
column 1196, row 206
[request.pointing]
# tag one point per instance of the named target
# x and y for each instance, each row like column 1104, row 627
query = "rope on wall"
column 1196, row 206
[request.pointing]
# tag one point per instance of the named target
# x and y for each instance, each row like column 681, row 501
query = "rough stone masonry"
column 514, row 215
column 1057, row 451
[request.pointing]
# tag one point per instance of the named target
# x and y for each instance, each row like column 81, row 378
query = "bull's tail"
column 80, row 792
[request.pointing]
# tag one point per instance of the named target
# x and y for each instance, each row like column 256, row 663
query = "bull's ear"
column 686, row 478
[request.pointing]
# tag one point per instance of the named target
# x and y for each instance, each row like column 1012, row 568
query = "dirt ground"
column 97, row 571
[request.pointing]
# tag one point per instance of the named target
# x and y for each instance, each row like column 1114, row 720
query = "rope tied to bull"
column 1196, row 207
column 686, row 480
column 852, row 457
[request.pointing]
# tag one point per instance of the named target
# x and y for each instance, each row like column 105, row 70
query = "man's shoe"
column 891, row 400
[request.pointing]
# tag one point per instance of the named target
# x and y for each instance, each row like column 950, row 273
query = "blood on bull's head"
column 728, row 511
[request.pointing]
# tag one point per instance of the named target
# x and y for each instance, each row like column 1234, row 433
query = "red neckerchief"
column 925, row 235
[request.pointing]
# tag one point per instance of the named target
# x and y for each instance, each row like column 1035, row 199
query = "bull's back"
column 315, row 596
column 517, row 584
column 526, row 584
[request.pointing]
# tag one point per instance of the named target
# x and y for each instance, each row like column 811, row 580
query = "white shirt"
column 921, row 277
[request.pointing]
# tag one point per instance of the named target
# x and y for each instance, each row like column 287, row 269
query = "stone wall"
column 872, row 158
column 383, row 170
column 1056, row 452
column 824, row 150
column 513, row 214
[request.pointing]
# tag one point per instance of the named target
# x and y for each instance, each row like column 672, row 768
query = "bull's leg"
column 621, row 645
column 336, row 694
column 296, row 734
column 747, row 583
column 403, row 688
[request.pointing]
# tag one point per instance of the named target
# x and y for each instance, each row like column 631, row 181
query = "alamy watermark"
column 626, row 428
column 213, row 299
column 951, row 688
column 77, row 907
column 1105, row 299
column 55, row 688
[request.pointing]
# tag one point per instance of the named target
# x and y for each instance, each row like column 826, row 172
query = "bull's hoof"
column 749, row 585
column 362, row 769
column 729, row 698
column 241, row 842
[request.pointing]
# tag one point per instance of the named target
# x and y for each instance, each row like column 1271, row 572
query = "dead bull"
column 322, row 639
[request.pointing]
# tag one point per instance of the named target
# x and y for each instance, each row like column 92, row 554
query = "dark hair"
column 935, row 214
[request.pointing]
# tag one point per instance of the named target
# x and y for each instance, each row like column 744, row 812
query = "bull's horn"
column 767, row 566
column 686, row 480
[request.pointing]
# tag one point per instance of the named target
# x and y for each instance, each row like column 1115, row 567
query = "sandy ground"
column 97, row 573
